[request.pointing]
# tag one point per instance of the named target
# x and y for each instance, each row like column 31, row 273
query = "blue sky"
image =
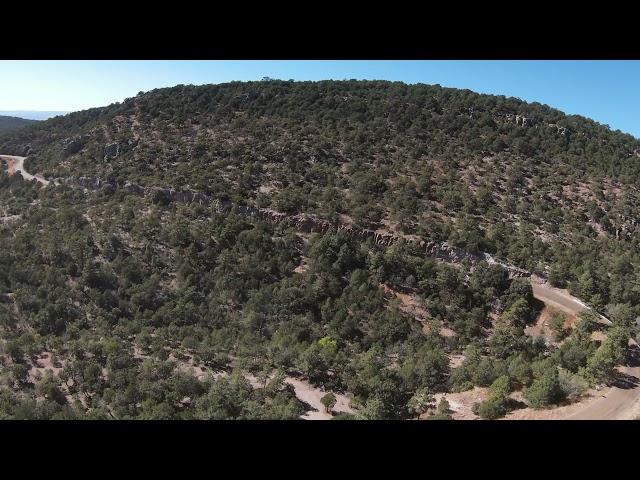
column 606, row 91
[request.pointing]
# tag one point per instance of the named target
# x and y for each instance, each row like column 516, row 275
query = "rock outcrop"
column 111, row 150
column 560, row 129
column 74, row 145
column 302, row 222
column 115, row 149
column 133, row 189
column 512, row 117
column 525, row 122
column 625, row 226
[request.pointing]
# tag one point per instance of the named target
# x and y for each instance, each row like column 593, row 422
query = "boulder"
column 73, row 145
column 115, row 149
column 111, row 150
column 160, row 195
column 133, row 188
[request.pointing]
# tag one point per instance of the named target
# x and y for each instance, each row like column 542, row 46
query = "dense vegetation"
column 123, row 293
column 12, row 123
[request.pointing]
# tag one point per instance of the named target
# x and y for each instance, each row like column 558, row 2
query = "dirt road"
column 560, row 299
column 557, row 298
column 621, row 401
column 15, row 164
column 309, row 395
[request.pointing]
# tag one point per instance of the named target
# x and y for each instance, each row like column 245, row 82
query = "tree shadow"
column 625, row 381
column 513, row 404
column 307, row 407
column 633, row 356
column 538, row 306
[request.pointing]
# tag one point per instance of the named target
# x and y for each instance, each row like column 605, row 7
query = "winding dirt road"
column 15, row 165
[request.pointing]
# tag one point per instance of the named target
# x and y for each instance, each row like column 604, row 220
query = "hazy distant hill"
column 11, row 123
column 32, row 114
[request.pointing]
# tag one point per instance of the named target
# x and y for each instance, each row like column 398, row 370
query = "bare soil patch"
column 303, row 266
column 461, row 403
column 42, row 365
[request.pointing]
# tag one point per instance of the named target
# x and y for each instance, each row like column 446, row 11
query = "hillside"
column 32, row 114
column 335, row 232
column 12, row 123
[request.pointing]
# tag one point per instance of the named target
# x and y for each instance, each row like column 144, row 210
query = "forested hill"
column 124, row 293
column 435, row 120
column 447, row 163
column 11, row 123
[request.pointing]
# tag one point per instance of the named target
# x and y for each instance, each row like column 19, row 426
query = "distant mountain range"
column 31, row 114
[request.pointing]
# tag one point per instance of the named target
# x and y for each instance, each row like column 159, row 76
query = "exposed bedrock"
column 302, row 222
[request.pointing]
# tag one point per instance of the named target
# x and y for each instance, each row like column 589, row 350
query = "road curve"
column 560, row 299
column 619, row 402
column 15, row 164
